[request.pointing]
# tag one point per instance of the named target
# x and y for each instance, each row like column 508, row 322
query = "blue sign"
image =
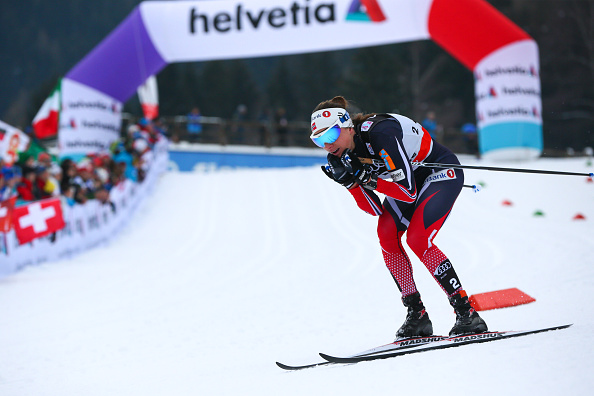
column 192, row 160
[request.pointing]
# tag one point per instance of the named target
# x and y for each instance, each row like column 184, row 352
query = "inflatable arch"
column 503, row 58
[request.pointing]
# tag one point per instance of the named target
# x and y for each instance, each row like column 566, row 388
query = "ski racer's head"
column 331, row 126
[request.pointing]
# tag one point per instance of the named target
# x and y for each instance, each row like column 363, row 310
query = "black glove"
column 348, row 170
column 362, row 174
column 336, row 171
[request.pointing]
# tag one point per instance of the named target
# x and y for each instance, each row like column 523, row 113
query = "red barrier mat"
column 499, row 299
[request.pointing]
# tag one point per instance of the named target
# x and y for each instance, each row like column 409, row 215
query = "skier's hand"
column 336, row 170
column 361, row 174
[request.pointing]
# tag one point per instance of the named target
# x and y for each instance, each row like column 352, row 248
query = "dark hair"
column 340, row 101
column 337, row 101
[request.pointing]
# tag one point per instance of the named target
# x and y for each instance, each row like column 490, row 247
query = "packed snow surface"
column 221, row 274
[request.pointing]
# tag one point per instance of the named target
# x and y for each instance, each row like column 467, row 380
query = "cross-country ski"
column 396, row 345
column 439, row 343
column 421, row 344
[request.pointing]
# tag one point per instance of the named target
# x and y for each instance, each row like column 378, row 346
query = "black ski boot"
column 417, row 323
column 468, row 320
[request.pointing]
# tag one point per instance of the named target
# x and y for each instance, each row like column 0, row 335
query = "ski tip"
column 334, row 359
column 294, row 368
column 284, row 366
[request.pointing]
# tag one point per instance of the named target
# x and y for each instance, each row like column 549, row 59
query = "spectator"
column 194, row 124
column 68, row 173
column 144, row 157
column 53, row 184
column 26, row 185
column 125, row 158
column 147, row 132
column 80, row 194
column 102, row 195
column 264, row 121
column 430, row 124
column 161, row 127
column 85, row 177
column 239, row 119
column 68, row 193
column 118, row 173
column 9, row 178
column 281, row 126
column 44, row 159
column 40, row 188
column 470, row 136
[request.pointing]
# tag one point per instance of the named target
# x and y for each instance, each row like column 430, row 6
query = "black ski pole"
column 494, row 168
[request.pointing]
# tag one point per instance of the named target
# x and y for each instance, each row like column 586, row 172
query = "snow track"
column 223, row 273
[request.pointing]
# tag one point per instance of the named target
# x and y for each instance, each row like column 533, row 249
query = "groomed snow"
column 221, row 274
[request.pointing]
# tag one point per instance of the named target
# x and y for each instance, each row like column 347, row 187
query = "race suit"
column 417, row 199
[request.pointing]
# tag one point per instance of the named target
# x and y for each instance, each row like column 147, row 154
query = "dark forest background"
column 41, row 41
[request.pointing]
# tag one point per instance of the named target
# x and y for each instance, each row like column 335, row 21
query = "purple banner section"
column 121, row 62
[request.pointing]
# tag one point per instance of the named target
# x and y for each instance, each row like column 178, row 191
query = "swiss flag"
column 37, row 219
column 6, row 208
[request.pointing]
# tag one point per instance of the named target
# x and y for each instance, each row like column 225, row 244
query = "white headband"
column 326, row 118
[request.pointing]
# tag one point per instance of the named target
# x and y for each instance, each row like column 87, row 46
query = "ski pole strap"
column 498, row 169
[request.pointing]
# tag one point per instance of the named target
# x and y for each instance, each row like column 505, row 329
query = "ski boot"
column 417, row 323
column 468, row 320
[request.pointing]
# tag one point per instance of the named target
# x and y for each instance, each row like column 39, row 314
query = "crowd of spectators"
column 39, row 175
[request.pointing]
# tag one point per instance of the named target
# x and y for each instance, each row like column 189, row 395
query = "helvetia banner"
column 89, row 122
column 508, row 101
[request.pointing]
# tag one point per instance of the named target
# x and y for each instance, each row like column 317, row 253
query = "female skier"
column 377, row 152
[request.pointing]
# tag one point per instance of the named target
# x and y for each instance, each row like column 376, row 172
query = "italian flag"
column 45, row 122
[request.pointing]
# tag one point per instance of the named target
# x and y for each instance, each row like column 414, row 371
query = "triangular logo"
column 365, row 11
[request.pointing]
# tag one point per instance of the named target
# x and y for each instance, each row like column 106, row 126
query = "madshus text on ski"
column 277, row 17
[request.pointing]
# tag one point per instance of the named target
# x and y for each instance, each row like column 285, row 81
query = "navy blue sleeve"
column 386, row 140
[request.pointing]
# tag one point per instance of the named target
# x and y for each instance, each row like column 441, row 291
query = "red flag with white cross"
column 6, row 208
column 37, row 219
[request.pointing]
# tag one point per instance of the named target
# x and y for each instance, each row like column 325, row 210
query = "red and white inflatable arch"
column 503, row 58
